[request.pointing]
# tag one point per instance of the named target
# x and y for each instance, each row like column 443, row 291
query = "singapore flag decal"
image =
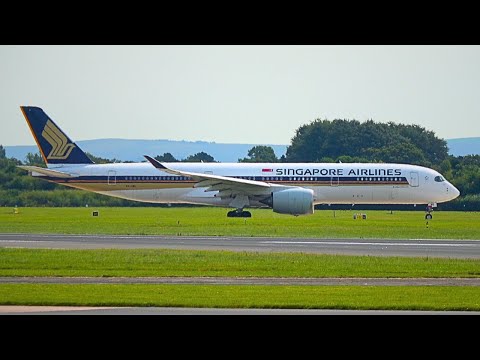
column 267, row 170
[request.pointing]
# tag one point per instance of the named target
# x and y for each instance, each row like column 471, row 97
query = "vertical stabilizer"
column 55, row 146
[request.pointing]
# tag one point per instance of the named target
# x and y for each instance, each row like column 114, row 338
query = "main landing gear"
column 239, row 213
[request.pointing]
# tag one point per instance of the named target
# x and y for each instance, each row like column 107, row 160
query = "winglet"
column 162, row 167
column 155, row 162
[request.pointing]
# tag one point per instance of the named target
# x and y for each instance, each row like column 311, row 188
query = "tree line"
column 319, row 141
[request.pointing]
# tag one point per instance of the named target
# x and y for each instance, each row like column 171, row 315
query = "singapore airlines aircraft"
column 287, row 188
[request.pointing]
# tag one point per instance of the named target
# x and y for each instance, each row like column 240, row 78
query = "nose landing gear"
column 428, row 210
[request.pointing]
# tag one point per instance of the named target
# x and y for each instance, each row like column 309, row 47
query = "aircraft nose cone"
column 452, row 192
column 455, row 192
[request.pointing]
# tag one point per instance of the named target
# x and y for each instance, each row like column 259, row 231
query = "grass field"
column 213, row 221
column 157, row 262
column 241, row 296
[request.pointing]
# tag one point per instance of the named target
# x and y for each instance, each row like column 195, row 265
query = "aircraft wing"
column 45, row 171
column 226, row 186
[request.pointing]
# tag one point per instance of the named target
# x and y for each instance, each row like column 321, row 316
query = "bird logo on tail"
column 61, row 149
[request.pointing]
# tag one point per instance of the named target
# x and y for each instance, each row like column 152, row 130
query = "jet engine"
column 297, row 201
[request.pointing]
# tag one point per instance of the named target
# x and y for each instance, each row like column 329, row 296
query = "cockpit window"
column 439, row 178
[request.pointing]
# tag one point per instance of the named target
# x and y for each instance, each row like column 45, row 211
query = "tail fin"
column 55, row 146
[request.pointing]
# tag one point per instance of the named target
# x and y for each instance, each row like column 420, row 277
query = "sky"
column 236, row 94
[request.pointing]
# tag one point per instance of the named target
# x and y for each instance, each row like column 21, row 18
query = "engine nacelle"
column 293, row 201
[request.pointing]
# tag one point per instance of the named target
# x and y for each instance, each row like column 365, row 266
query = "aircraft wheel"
column 246, row 214
column 428, row 217
column 241, row 214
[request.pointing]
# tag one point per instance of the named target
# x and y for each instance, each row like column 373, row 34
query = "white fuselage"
column 332, row 183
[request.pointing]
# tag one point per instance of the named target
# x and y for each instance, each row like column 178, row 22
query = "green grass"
column 213, row 221
column 241, row 296
column 158, row 262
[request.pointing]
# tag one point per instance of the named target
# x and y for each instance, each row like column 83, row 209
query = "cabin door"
column 414, row 179
column 112, row 177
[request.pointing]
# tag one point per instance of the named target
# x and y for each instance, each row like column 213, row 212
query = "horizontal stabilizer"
column 44, row 171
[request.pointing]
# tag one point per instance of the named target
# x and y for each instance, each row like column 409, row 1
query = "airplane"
column 287, row 188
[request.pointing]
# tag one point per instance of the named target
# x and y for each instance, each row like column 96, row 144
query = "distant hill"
column 464, row 146
column 133, row 150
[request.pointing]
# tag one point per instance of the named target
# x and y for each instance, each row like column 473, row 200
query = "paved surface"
column 244, row 281
column 57, row 310
column 377, row 247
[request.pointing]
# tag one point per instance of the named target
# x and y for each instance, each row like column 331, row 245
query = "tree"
column 166, row 157
column 305, row 143
column 34, row 159
column 377, row 142
column 2, row 152
column 405, row 153
column 259, row 154
column 434, row 149
column 200, row 157
column 323, row 138
column 465, row 172
column 445, row 168
column 349, row 159
column 100, row 160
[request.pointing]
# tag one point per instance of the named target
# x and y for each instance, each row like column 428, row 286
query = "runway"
column 77, row 310
column 373, row 247
column 244, row 281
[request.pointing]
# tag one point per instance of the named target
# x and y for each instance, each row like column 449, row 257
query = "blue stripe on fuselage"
column 273, row 179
